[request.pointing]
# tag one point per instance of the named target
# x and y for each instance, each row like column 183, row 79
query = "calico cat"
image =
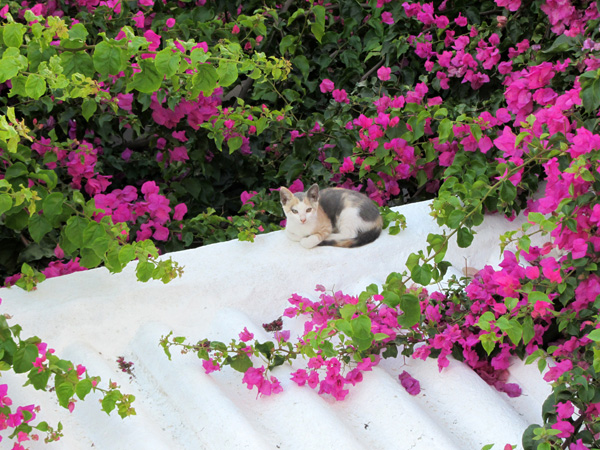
column 333, row 216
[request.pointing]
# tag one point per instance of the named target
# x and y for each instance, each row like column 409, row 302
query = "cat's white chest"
column 296, row 231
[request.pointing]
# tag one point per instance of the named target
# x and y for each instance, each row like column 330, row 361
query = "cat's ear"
column 285, row 195
column 313, row 193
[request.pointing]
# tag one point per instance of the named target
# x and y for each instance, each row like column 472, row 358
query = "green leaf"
column 344, row 326
column 464, row 237
column 72, row 234
column 265, row 348
column 537, row 296
column 590, row 90
column 515, row 332
column 35, row 86
column 508, row 192
column 24, row 358
column 5, row 203
column 302, row 63
column 234, row 143
column 109, row 59
column 149, row 79
column 361, row 327
column 89, row 258
column 241, row 362
column 78, row 31
column 439, row 245
column 409, row 304
column 390, row 298
column 528, row 330
column 83, row 388
column 88, row 108
column 445, row 130
column 64, row 392
column 110, row 401
column 318, row 27
column 167, row 62
column 47, row 176
column 17, row 170
column 488, row 341
column 77, row 62
column 12, row 34
column 227, row 73
column 12, row 61
column 144, row 270
column 455, row 218
column 38, row 227
column 594, row 335
column 421, row 274
column 126, row 254
column 206, row 79
column 287, row 41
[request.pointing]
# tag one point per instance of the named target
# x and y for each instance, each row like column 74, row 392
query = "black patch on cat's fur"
column 363, row 238
column 367, row 237
column 330, row 201
column 368, row 212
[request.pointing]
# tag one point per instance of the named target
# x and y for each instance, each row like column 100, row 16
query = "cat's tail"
column 363, row 238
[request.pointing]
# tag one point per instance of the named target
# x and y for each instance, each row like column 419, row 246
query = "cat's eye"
column 295, row 211
column 308, row 210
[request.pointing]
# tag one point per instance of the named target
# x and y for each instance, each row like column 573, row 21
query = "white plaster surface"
column 93, row 317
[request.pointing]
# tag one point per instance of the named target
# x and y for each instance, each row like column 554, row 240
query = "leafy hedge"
column 129, row 129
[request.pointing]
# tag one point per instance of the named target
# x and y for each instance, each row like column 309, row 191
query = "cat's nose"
column 303, row 220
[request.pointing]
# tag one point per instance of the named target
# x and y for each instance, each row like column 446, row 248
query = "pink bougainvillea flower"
column 326, row 86
column 542, row 309
column 202, row 45
column 235, row 29
column 461, row 21
column 296, row 186
column 246, row 196
column 245, row 335
column 178, row 154
column 340, row 96
column 139, row 19
column 383, row 73
column 412, row 386
column 354, row 376
column 125, row 101
column 566, row 428
column 210, row 366
column 179, row 211
column 153, row 40
column 146, row 2
column 511, row 5
column 170, row 22
column 387, row 18
column 180, row 136
column 283, row 335
column 300, row 377
column 347, row 166
column 565, row 410
column 579, row 249
column 555, row 372
column 551, row 269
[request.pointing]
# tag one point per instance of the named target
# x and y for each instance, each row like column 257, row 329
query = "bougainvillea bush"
column 134, row 128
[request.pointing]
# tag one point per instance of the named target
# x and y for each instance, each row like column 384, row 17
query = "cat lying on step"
column 334, row 216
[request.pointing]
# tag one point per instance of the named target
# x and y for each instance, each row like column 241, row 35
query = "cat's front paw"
column 310, row 241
